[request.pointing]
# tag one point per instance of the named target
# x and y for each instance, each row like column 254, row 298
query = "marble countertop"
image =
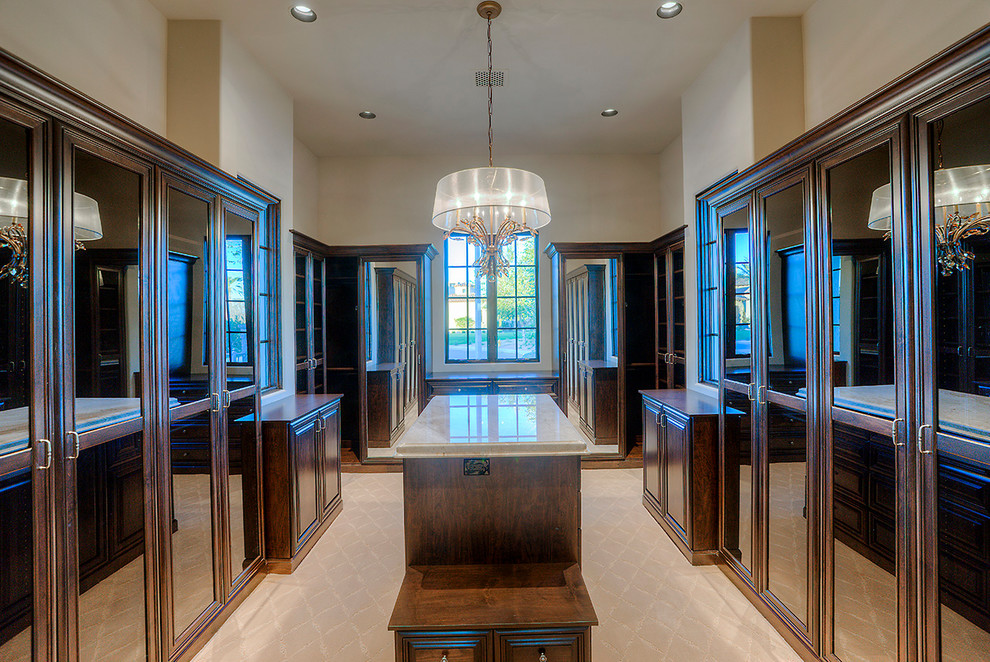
column 491, row 426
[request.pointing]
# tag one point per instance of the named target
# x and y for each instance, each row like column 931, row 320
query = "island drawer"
column 443, row 647
column 541, row 646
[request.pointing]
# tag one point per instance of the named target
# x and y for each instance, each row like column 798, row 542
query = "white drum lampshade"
column 14, row 208
column 491, row 196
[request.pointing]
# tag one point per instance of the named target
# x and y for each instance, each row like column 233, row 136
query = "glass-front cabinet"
column 954, row 395
column 847, row 281
column 131, row 372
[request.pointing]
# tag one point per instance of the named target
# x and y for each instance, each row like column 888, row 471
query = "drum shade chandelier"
column 13, row 216
column 962, row 209
column 491, row 205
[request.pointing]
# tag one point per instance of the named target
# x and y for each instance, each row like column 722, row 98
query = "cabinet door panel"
column 459, row 647
column 330, row 448
column 675, row 450
column 305, row 467
column 651, row 451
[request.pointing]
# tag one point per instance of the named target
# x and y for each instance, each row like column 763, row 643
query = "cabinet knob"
column 443, row 658
column 543, row 655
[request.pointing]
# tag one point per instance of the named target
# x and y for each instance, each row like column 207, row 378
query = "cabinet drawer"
column 524, row 387
column 433, row 647
column 540, row 645
column 461, row 388
column 965, row 486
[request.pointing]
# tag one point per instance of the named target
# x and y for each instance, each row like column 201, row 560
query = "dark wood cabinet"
column 301, row 451
column 310, row 317
column 386, row 411
column 598, row 400
column 671, row 316
column 680, row 469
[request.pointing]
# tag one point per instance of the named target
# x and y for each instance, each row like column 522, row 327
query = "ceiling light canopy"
column 491, row 205
column 303, row 13
column 367, row 115
column 610, row 112
column 669, row 9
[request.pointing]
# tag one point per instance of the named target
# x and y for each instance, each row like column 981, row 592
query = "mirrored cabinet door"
column 24, row 447
column 240, row 396
column 107, row 449
column 784, row 210
column 866, row 544
column 956, row 295
column 737, row 386
column 191, row 521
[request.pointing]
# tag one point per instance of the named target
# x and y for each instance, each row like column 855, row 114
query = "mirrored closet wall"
column 136, row 340
column 847, row 281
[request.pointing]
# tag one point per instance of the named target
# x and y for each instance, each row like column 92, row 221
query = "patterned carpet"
column 651, row 603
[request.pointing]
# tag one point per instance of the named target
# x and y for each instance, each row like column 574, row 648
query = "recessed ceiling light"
column 610, row 112
column 367, row 114
column 303, row 13
column 669, row 9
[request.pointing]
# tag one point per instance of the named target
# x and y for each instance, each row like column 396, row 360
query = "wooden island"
column 492, row 500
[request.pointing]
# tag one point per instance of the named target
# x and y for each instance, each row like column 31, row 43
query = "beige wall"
column 852, row 47
column 375, row 200
column 777, row 66
column 111, row 50
column 305, row 189
column 672, row 186
column 193, row 77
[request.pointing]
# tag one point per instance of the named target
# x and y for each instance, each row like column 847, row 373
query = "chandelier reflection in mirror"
column 14, row 215
column 962, row 209
column 491, row 205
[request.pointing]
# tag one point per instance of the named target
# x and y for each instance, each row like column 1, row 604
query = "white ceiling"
column 413, row 62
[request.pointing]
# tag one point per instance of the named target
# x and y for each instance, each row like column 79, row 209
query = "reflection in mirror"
column 737, row 344
column 16, row 507
column 786, row 453
column 787, row 521
column 862, row 287
column 240, row 297
column 392, row 346
column 864, row 495
column 737, row 516
column 189, row 383
column 470, row 421
column 243, row 434
column 110, row 475
column 592, row 352
column 865, row 544
column 960, row 147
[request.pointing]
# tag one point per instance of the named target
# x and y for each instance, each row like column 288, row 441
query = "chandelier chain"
column 491, row 135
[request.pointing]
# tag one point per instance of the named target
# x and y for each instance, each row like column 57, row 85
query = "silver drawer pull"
column 443, row 658
column 543, row 655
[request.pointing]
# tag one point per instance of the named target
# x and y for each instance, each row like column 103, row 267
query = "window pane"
column 457, row 315
column 236, row 316
column 457, row 345
column 457, row 285
column 526, row 313
column 527, row 345
column 506, row 314
column 509, row 253
column 507, row 284
column 526, row 281
column 526, row 249
column 477, row 284
column 457, row 251
column 507, row 345
column 478, row 344
column 235, row 286
column 477, row 314
column 235, row 253
column 237, row 348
